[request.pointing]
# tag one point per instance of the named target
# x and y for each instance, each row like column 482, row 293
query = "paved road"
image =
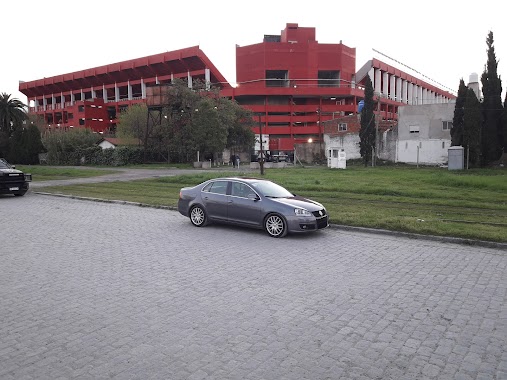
column 98, row 290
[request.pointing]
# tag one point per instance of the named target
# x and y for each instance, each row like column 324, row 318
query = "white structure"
column 424, row 133
column 456, row 158
column 105, row 144
column 336, row 158
column 114, row 142
column 348, row 143
column 473, row 83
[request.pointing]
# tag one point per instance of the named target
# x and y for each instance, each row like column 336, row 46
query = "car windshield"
column 4, row 164
column 272, row 190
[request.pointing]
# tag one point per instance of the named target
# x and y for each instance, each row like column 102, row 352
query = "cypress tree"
column 492, row 108
column 457, row 121
column 504, row 124
column 472, row 128
column 367, row 130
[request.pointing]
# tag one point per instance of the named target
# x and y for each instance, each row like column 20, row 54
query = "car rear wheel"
column 275, row 226
column 198, row 216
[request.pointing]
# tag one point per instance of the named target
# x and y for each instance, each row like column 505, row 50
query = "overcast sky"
column 442, row 40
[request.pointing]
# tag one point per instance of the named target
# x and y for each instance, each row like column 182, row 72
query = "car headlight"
column 302, row 212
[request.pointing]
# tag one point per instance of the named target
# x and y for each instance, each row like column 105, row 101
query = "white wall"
column 349, row 143
column 428, row 118
column 433, row 141
column 431, row 152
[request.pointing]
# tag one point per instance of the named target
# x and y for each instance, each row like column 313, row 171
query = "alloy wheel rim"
column 197, row 216
column 274, row 225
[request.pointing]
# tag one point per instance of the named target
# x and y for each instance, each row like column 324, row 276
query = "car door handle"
column 229, row 201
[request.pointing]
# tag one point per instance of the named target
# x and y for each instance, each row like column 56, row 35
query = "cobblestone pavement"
column 110, row 291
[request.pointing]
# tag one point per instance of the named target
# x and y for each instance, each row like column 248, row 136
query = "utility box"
column 337, row 158
column 342, row 159
column 456, row 158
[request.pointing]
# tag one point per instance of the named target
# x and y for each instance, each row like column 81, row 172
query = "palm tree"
column 12, row 113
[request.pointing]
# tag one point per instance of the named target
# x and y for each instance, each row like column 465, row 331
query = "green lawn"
column 468, row 204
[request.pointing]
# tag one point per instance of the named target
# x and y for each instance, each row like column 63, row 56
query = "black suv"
column 13, row 181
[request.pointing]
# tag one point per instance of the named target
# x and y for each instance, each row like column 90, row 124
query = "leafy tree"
column 190, row 120
column 25, row 145
column 472, row 127
column 240, row 136
column 209, row 131
column 132, row 122
column 38, row 121
column 492, row 109
column 12, row 115
column 67, row 148
column 367, row 130
column 199, row 120
column 135, row 123
column 458, row 119
column 183, row 107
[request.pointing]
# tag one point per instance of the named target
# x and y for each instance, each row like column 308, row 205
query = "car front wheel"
column 198, row 216
column 275, row 226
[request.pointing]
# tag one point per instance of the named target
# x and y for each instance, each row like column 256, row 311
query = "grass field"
column 467, row 204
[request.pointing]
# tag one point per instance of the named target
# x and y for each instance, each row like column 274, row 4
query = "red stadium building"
column 294, row 85
column 93, row 98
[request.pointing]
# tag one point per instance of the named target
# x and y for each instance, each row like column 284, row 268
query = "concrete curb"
column 410, row 235
column 445, row 239
column 105, row 200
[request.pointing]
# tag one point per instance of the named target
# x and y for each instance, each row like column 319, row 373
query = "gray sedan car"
column 251, row 202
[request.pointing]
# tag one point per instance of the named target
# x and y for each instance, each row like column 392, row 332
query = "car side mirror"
column 253, row 197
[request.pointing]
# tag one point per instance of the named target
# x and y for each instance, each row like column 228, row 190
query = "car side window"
column 207, row 187
column 218, row 187
column 241, row 190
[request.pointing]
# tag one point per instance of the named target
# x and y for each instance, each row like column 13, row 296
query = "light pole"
column 374, row 159
column 261, row 160
column 320, row 127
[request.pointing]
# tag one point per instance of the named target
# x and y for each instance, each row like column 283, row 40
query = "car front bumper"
column 306, row 224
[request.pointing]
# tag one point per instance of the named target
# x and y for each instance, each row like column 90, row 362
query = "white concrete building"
column 424, row 133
